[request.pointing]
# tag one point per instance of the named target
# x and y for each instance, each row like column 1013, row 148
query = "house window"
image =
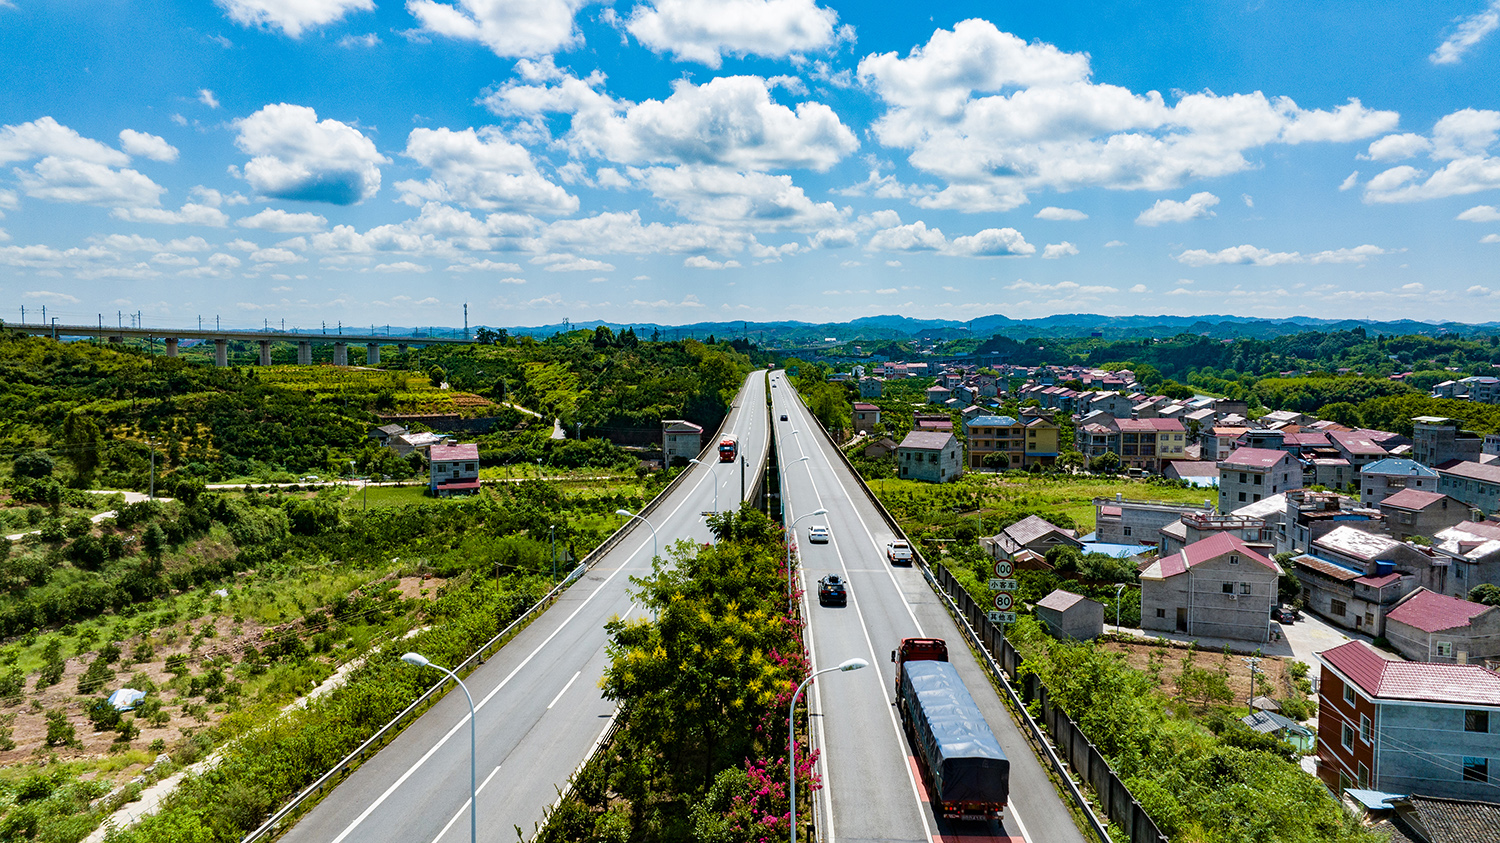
column 1337, row 607
column 1257, row 497
column 1234, row 559
column 1161, row 613
column 1244, row 588
column 1127, row 530
column 1346, row 737
column 1476, row 721
column 1364, row 775
column 1243, row 478
column 1257, row 479
column 1348, row 694
column 1364, row 728
column 1445, row 649
column 1476, row 769
column 1242, row 497
column 1229, row 588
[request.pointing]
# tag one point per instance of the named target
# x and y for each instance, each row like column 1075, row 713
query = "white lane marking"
column 1020, row 826
column 890, row 707
column 380, row 800
column 564, row 690
column 467, row 803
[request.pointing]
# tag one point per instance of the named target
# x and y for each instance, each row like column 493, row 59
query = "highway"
column 873, row 791
column 539, row 708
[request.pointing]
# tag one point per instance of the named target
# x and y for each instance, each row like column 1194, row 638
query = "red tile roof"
column 1413, row 499
column 1433, row 612
column 1060, row 601
column 1254, row 458
column 1356, row 442
column 1472, row 471
column 453, row 453
column 1194, row 468
column 471, row 483
column 1455, row 684
column 1327, row 568
column 1378, row 582
column 1110, row 510
column 1212, row 547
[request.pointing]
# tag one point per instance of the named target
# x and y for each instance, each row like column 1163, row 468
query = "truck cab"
column 918, row 649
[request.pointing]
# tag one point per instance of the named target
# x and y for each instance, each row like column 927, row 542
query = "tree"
column 1106, row 463
column 436, row 376
column 154, row 541
column 1486, row 593
column 997, row 459
column 1342, row 412
column 484, row 336
column 33, row 466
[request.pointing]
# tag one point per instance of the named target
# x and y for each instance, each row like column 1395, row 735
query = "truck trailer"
column 729, row 448
column 966, row 770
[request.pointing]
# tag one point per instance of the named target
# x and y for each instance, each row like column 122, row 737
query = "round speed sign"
column 1003, row 602
column 1003, row 568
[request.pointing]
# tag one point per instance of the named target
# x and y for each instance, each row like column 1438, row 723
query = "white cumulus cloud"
column 704, row 32
column 999, row 118
column 1481, row 213
column 298, row 157
column 509, row 28
column 1059, row 250
column 480, row 169
column 45, row 137
column 147, row 146
column 1168, row 210
column 275, row 219
column 1256, row 256
column 701, row 262
column 291, row 16
column 1460, row 149
column 1061, row 214
column 190, row 213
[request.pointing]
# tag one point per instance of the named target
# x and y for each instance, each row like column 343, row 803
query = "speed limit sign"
column 1003, row 568
column 1003, row 601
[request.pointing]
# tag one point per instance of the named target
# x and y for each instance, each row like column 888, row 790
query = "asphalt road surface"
column 539, row 709
column 872, row 788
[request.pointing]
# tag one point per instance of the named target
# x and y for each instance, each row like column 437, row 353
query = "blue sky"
column 379, row 161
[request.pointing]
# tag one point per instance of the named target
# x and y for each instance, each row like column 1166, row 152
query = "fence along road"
column 872, row 788
column 539, row 708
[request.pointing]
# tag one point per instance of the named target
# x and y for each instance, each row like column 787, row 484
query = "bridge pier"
column 372, row 353
column 171, row 346
column 265, row 352
column 221, row 353
column 304, row 353
column 340, row 354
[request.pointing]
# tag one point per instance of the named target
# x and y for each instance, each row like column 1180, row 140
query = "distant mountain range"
column 1061, row 325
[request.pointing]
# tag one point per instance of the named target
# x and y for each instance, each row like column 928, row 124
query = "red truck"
column 729, row 448
column 966, row 770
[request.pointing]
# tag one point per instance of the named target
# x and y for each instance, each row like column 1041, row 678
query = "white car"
column 817, row 534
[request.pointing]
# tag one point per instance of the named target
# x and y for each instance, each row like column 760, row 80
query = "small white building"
column 680, row 439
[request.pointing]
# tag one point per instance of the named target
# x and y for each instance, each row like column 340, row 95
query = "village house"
column 1032, row 534
column 1249, row 474
column 1406, row 727
column 1219, row 587
column 1121, row 521
column 1436, row 440
column 1220, row 441
column 866, row 416
column 1069, row 616
column 453, row 470
column 1472, row 550
column 1351, row 578
column 680, row 440
column 1413, row 513
column 1476, row 484
column 930, row 456
column 1197, row 526
column 1425, row 626
column 1381, row 479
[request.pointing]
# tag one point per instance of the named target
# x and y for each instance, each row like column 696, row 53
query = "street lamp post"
column 791, row 538
column 1118, row 589
column 791, row 731
column 716, row 482
column 628, row 514
column 418, row 660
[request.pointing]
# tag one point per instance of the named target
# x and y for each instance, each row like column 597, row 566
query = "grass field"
column 1067, row 501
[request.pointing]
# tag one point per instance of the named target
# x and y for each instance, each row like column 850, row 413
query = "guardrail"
column 315, row 791
column 1120, row 805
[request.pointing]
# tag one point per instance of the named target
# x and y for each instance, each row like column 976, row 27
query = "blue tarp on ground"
column 126, row 698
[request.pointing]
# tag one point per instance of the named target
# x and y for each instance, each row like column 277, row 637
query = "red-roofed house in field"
column 1429, row 627
column 1407, row 727
column 1249, row 474
column 866, row 416
column 1219, row 587
column 453, row 470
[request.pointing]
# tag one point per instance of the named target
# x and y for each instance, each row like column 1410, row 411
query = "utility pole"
column 23, row 314
column 742, row 479
column 466, row 320
column 216, row 323
column 1254, row 668
column 551, row 538
column 152, row 443
column 200, row 323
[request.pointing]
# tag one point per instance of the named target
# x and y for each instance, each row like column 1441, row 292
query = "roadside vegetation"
column 703, row 691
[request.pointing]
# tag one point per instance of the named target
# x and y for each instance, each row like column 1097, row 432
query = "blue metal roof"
column 991, row 421
column 1396, row 465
